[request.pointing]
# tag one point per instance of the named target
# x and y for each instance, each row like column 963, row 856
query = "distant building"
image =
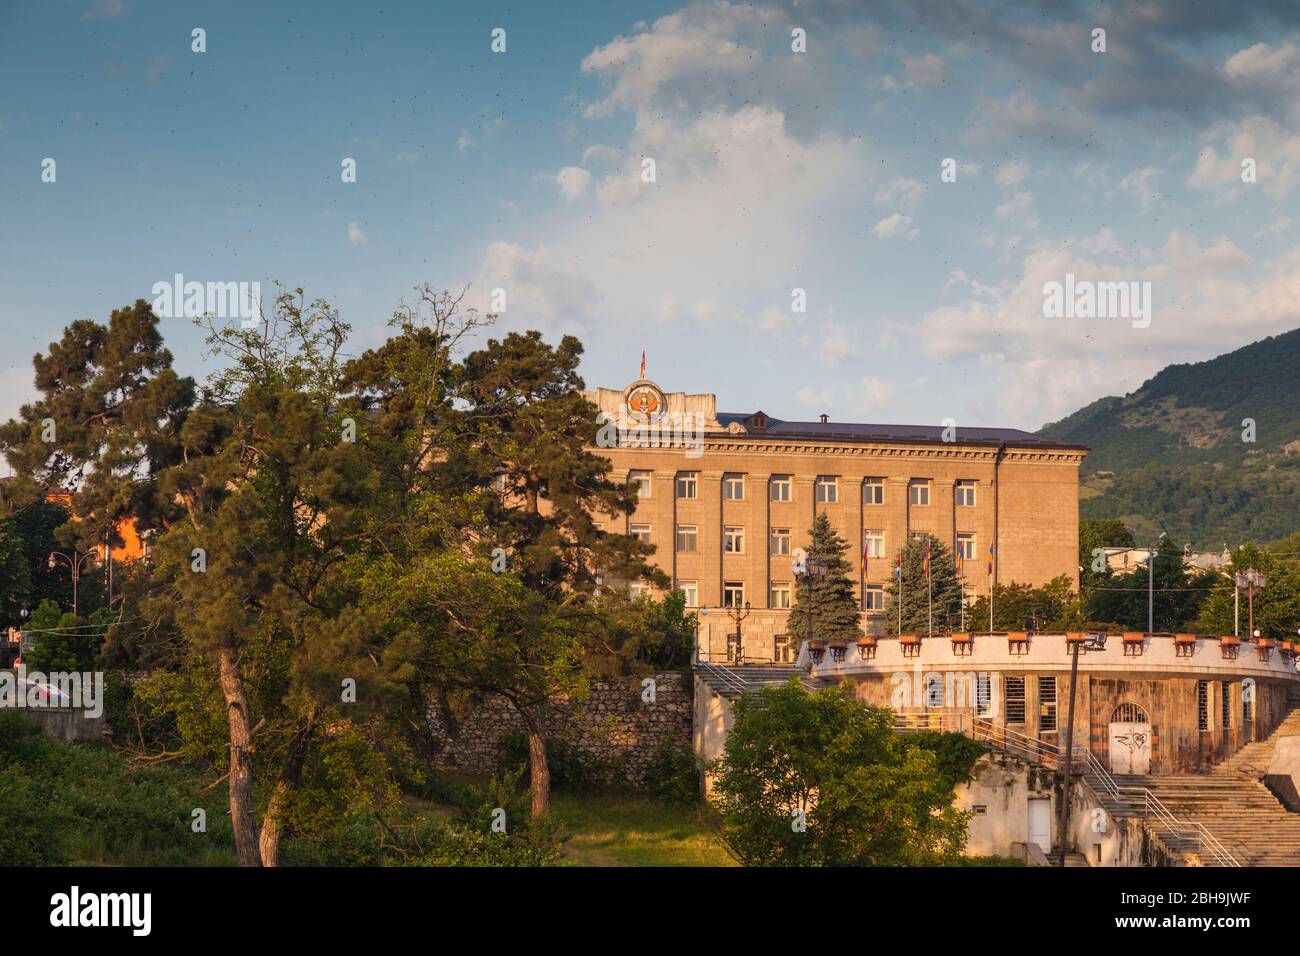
column 726, row 497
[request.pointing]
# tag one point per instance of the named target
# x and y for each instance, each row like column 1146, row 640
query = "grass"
column 624, row 829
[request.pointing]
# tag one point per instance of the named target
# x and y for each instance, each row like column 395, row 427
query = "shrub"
column 673, row 775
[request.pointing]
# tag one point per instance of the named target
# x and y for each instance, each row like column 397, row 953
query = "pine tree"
column 942, row 593
column 835, row 612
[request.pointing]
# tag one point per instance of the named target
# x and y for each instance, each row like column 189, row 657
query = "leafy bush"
column 673, row 775
column 570, row 767
column 77, row 803
column 956, row 754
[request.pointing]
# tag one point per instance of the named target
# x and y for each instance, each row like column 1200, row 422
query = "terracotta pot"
column 909, row 639
column 1227, row 640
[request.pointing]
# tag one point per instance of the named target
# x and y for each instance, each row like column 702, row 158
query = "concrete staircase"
column 1252, row 760
column 1241, row 813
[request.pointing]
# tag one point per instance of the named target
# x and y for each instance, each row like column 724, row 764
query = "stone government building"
column 726, row 499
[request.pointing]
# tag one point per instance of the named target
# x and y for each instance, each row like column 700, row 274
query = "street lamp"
column 702, row 612
column 1251, row 581
column 738, row 614
column 1151, row 584
column 73, row 561
column 1090, row 642
column 809, row 567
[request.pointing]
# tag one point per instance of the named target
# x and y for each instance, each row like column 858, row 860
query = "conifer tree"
column 942, row 593
column 835, row 612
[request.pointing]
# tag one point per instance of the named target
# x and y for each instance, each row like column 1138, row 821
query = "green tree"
column 1020, row 607
column 108, row 417
column 835, row 613
column 1176, row 599
column 941, row 593
column 1277, row 606
column 15, row 575
column 1096, row 534
column 819, row 779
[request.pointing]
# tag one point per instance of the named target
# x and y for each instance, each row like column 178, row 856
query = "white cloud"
column 875, row 392
column 892, row 226
column 1206, row 298
column 1274, row 147
column 104, row 10
column 464, row 141
column 1019, row 207
column 1012, row 174
column 1144, row 185
column 573, row 181
column 544, row 290
column 355, row 235
column 926, row 72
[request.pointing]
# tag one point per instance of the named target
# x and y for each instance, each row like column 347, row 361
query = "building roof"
column 925, row 434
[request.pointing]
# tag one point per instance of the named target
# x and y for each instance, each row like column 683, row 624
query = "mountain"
column 1174, row 456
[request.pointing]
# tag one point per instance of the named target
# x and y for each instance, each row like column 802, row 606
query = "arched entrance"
column 1130, row 740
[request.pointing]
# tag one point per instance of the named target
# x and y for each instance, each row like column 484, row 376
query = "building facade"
column 726, row 498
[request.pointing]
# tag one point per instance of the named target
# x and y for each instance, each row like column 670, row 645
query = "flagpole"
column 899, row 572
column 929, row 591
column 990, row 590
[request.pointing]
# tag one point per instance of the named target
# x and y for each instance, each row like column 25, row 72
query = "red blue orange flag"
column 927, row 559
column 990, row 560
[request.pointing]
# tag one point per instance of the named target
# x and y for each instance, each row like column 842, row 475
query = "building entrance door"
column 1130, row 747
column 1040, row 823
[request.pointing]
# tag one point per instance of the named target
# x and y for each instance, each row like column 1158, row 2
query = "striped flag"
column 926, row 564
column 865, row 546
column 643, row 363
column 958, row 559
column 990, row 560
column 898, row 571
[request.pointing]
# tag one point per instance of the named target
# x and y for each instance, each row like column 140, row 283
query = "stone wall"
column 614, row 728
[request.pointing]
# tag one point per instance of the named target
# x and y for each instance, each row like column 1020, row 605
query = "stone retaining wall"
column 614, row 728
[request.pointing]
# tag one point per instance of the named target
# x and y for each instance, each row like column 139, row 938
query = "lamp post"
column 73, row 561
column 1151, row 584
column 810, row 567
column 738, row 614
column 1092, row 642
column 1251, row 581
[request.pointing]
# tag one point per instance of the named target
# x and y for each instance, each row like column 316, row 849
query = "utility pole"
column 1093, row 642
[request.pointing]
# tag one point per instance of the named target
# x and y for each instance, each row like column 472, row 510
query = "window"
column 1014, row 691
column 782, row 649
column 780, row 539
column 1046, row 703
column 687, row 537
column 499, row 484
column 1128, row 713
column 640, row 531
column 873, row 491
column 964, row 494
column 828, row 490
column 873, row 598
column 779, row 487
column 780, row 597
column 639, row 590
column 733, row 487
column 692, row 592
column 1225, row 705
column 733, row 594
column 918, row 491
column 641, row 481
column 1203, row 705
column 983, row 694
column 688, row 484
column 966, row 546
column 933, row 690
column 873, row 543
column 733, row 540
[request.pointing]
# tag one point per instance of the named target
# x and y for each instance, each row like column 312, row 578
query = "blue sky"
column 775, row 170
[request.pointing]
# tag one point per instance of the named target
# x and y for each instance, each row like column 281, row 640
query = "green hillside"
column 1171, row 456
